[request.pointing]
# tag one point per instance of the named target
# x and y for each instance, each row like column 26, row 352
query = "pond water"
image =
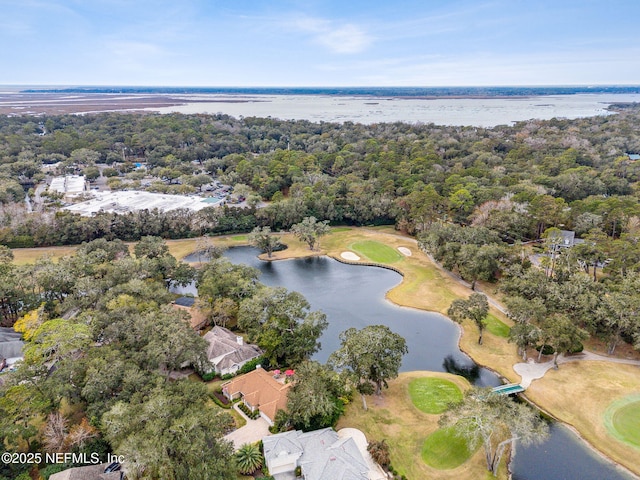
column 354, row 296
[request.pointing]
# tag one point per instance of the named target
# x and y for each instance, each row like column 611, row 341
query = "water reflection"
column 470, row 372
column 563, row 457
column 354, row 296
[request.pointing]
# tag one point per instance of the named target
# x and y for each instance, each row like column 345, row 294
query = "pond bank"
column 425, row 287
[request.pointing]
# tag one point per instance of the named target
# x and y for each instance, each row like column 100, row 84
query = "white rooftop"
column 69, row 184
column 133, row 201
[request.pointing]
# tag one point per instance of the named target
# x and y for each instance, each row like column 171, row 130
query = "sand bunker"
column 350, row 256
column 405, row 251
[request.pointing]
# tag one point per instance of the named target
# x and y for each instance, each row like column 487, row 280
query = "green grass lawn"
column 444, row 450
column 622, row 419
column 211, row 387
column 433, row 395
column 376, row 251
column 496, row 327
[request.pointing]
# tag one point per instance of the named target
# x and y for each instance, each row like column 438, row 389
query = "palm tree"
column 249, row 458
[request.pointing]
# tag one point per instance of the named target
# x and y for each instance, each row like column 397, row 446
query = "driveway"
column 253, row 431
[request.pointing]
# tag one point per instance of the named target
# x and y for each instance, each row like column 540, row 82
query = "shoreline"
column 184, row 247
column 461, row 331
column 476, row 109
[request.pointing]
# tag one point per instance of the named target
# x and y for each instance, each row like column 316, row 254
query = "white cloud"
column 344, row 38
column 133, row 56
column 548, row 68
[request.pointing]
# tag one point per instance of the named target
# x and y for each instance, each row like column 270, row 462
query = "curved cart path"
column 531, row 371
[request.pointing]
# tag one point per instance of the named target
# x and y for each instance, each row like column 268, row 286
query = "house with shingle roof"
column 227, row 351
column 88, row 472
column 259, row 390
column 10, row 346
column 320, row 454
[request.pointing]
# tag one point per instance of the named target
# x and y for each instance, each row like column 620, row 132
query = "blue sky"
column 319, row 43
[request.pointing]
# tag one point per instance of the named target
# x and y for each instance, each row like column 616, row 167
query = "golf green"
column 444, row 450
column 622, row 419
column 433, row 395
column 376, row 251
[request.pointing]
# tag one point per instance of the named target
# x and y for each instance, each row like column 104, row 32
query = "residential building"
column 227, row 351
column 89, row 472
column 10, row 347
column 320, row 454
column 259, row 390
column 568, row 239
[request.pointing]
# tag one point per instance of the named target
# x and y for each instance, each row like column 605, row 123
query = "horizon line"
column 70, row 85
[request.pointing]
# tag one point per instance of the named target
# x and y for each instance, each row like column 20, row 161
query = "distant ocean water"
column 472, row 106
column 479, row 112
column 495, row 91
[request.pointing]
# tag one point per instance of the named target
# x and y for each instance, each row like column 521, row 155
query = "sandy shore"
column 63, row 103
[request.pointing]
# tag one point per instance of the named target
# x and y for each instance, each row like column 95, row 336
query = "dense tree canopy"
column 314, row 400
column 518, row 180
column 101, row 344
column 282, row 325
column 171, row 434
column 372, row 354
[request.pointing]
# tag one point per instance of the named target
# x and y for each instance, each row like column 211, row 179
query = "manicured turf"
column 433, row 395
column 496, row 327
column 239, row 238
column 376, row 251
column 622, row 419
column 445, row 450
column 340, row 229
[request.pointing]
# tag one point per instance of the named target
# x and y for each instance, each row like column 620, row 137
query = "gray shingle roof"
column 324, row 454
column 286, row 443
column 89, row 472
column 10, row 343
column 225, row 342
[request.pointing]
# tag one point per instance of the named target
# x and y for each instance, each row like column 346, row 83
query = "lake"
column 354, row 296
